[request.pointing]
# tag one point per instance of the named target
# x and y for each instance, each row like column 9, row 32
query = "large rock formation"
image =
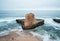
column 56, row 20
column 39, row 22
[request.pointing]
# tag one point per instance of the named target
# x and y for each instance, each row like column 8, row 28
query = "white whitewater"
column 42, row 33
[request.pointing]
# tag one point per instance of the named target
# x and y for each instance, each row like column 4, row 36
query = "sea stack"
column 30, row 22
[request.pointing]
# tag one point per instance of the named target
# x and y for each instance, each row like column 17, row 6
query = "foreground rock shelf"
column 14, row 36
column 56, row 20
column 39, row 22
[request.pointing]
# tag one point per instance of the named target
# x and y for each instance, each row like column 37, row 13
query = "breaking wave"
column 50, row 31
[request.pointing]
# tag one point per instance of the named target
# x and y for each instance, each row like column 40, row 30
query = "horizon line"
column 34, row 9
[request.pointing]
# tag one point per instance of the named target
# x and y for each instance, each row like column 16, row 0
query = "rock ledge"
column 39, row 23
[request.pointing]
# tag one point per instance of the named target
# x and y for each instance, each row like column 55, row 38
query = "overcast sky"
column 29, row 4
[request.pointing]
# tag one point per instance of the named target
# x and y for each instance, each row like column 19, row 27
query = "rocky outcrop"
column 56, row 20
column 38, row 23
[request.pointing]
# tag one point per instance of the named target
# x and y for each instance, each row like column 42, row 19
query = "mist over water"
column 50, row 31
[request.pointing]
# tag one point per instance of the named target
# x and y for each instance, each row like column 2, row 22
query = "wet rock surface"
column 38, row 23
column 56, row 20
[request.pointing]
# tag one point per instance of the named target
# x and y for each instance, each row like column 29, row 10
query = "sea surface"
column 50, row 31
column 22, row 13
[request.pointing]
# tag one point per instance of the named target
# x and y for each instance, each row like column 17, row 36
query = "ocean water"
column 50, row 31
column 21, row 13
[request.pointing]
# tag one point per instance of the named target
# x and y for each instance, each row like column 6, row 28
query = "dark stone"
column 39, row 23
column 56, row 20
column 12, row 38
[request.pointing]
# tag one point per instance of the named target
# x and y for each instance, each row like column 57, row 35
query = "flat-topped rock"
column 56, row 20
column 39, row 22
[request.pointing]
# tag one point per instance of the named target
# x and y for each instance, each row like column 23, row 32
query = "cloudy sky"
column 29, row 4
